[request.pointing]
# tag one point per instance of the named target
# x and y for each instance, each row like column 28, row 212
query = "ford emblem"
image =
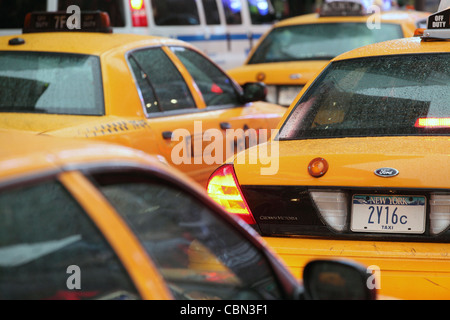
column 386, row 172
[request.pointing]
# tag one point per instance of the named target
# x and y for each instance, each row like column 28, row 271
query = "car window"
column 160, row 83
column 146, row 88
column 175, row 12
column 42, row 82
column 215, row 86
column 232, row 9
column 261, row 11
column 387, row 95
column 199, row 255
column 44, row 237
column 12, row 13
column 115, row 8
column 322, row 41
column 211, row 12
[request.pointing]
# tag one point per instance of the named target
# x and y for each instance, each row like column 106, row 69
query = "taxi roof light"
column 91, row 21
column 438, row 25
column 224, row 189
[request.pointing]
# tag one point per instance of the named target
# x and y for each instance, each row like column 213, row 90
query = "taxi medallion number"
column 388, row 214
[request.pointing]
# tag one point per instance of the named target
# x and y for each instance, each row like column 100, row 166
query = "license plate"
column 388, row 214
column 288, row 94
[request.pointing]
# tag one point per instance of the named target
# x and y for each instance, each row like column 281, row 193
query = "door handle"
column 167, row 135
column 225, row 125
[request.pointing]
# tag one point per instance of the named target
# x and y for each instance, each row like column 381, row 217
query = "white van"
column 223, row 29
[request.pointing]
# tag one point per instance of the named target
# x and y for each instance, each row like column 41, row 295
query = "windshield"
column 319, row 41
column 375, row 96
column 59, row 83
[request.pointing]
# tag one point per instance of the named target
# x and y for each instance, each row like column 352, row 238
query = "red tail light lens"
column 224, row 189
column 138, row 15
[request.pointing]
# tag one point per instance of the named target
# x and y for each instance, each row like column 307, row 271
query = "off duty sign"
column 439, row 20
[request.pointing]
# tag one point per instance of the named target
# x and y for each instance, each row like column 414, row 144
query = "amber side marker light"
column 432, row 123
column 224, row 189
column 261, row 76
column 419, row 32
column 318, row 167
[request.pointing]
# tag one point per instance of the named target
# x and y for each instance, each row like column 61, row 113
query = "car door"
column 172, row 107
column 198, row 252
column 51, row 249
column 240, row 123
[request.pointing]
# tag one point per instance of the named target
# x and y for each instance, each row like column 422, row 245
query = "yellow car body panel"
column 147, row 279
column 352, row 162
column 279, row 72
column 400, row 46
column 124, row 120
column 407, row 271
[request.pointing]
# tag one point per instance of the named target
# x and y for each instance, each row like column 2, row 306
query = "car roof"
column 25, row 153
column 411, row 45
column 395, row 16
column 93, row 43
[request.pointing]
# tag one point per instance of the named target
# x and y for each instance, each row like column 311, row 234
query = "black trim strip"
column 290, row 211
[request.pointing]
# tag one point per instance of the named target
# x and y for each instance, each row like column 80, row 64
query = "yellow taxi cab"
column 295, row 49
column 360, row 167
column 145, row 92
column 90, row 220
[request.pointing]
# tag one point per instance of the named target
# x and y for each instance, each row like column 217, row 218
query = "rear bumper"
column 407, row 270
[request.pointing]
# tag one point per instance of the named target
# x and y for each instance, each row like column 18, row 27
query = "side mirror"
column 254, row 91
column 336, row 280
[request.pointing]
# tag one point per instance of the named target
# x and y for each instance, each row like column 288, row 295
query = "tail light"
column 439, row 213
column 224, row 189
column 138, row 14
column 332, row 206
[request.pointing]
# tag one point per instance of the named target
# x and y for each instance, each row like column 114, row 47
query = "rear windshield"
column 377, row 96
column 320, row 41
column 59, row 83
